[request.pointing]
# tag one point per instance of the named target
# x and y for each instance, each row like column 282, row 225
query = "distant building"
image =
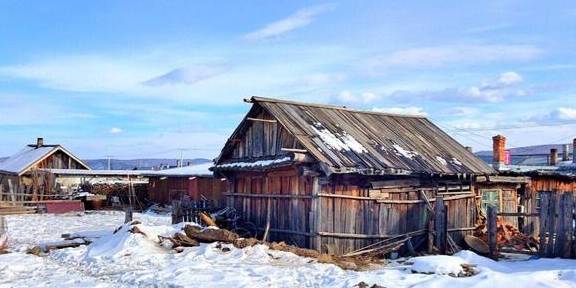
column 23, row 176
column 195, row 182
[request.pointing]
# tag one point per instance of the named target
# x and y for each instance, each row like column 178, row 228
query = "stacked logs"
column 508, row 236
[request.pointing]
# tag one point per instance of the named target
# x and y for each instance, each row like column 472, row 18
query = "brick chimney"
column 566, row 152
column 553, row 157
column 39, row 142
column 498, row 151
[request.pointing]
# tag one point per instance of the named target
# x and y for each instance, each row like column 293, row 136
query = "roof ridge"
column 328, row 106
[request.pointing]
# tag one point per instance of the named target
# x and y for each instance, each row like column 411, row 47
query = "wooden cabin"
column 23, row 176
column 336, row 179
column 196, row 182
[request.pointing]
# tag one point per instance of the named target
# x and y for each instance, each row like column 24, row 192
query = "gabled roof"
column 20, row 162
column 344, row 140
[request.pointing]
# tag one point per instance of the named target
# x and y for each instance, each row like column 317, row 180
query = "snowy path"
column 134, row 260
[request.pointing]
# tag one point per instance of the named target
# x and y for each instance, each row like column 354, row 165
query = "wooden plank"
column 440, row 225
column 544, row 221
column 491, row 218
column 365, row 236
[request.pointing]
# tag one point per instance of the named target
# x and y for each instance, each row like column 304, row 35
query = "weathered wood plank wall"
column 351, row 217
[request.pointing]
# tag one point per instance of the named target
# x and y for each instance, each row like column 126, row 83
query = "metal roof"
column 351, row 141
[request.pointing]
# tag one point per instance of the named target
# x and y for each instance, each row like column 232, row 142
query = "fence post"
column 128, row 215
column 440, row 224
column 491, row 218
column 176, row 212
column 544, row 221
column 565, row 229
column 2, row 226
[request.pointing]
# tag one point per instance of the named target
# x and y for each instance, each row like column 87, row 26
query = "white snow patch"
column 438, row 264
column 406, row 153
column 125, row 259
column 343, row 142
column 259, row 163
column 456, row 161
column 441, row 160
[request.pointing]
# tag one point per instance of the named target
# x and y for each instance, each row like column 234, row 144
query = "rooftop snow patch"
column 255, row 164
column 441, row 160
column 24, row 158
column 192, row 170
column 338, row 141
column 403, row 152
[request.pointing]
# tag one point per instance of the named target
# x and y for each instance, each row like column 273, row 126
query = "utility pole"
column 109, row 157
column 181, row 157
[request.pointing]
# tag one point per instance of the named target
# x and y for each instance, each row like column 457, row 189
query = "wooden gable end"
column 59, row 160
column 260, row 136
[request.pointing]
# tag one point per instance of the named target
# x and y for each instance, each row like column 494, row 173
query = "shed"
column 195, row 181
column 337, row 179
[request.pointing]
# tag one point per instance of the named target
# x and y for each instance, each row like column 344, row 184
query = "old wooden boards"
column 557, row 237
column 491, row 218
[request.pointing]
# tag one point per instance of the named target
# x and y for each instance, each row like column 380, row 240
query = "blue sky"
column 145, row 78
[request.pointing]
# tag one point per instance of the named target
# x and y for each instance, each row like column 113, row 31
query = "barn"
column 337, row 179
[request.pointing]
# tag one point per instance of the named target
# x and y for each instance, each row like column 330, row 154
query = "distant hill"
column 529, row 155
column 3, row 158
column 140, row 164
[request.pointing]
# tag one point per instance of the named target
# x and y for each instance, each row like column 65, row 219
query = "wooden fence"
column 557, row 225
column 557, row 237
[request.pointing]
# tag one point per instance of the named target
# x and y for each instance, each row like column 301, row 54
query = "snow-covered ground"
column 130, row 260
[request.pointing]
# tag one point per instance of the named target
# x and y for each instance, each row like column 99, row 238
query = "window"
column 490, row 198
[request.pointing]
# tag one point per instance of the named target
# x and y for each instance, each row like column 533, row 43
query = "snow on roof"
column 18, row 162
column 258, row 163
column 192, row 170
column 97, row 172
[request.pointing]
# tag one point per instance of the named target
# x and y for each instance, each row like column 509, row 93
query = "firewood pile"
column 193, row 235
column 508, row 236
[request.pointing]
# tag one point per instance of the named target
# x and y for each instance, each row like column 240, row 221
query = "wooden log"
column 491, row 218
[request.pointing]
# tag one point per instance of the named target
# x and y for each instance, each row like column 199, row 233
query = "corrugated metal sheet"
column 347, row 140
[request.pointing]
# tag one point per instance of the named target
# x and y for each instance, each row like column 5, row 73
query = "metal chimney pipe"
column 574, row 150
column 39, row 142
column 565, row 152
column 553, row 157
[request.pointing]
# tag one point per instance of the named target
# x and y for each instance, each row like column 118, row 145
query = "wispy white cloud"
column 349, row 97
column 504, row 86
column 115, row 130
column 301, row 18
column 410, row 110
column 186, row 76
column 458, row 54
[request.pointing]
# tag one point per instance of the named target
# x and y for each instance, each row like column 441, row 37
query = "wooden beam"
column 262, row 120
column 293, row 150
column 367, row 236
column 247, row 195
